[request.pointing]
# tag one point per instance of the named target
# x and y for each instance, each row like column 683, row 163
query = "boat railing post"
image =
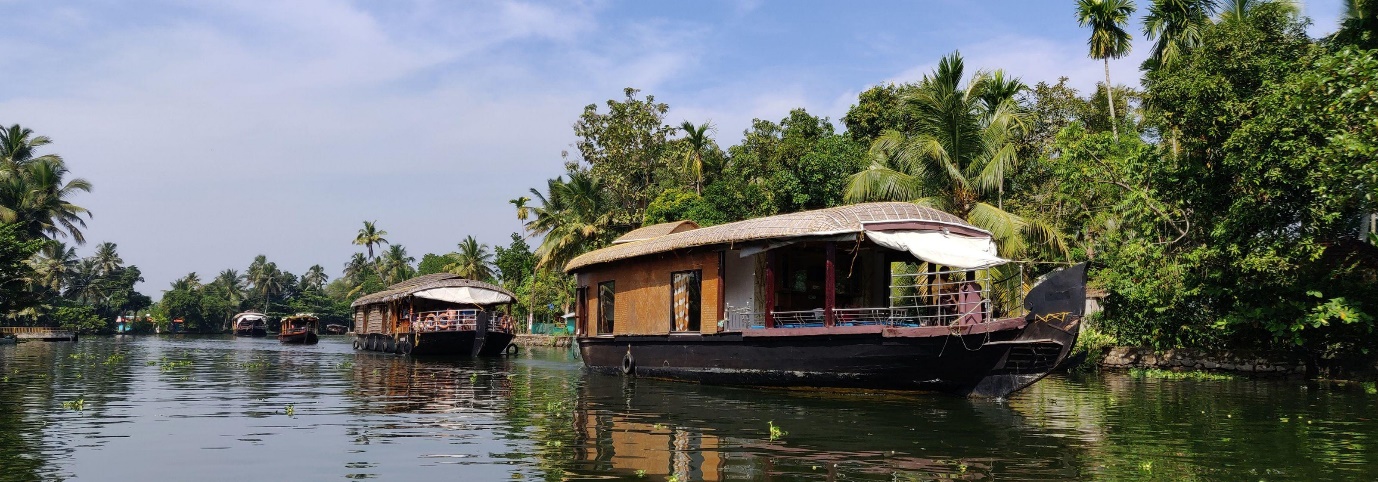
column 830, row 286
column 770, row 289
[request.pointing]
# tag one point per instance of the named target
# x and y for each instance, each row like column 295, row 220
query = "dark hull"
column 253, row 332
column 989, row 360
column 307, row 338
column 441, row 343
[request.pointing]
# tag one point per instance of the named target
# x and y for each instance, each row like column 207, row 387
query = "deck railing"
column 916, row 299
column 455, row 320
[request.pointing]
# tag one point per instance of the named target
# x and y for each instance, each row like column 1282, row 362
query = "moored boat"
column 299, row 329
column 250, row 323
column 435, row 314
column 335, row 329
column 877, row 295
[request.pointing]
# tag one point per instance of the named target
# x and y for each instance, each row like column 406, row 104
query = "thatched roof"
column 822, row 222
column 655, row 231
column 425, row 282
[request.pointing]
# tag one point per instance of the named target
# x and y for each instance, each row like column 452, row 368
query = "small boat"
column 434, row 314
column 877, row 295
column 299, row 329
column 336, row 329
column 250, row 323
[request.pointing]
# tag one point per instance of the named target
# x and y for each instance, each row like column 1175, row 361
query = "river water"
column 235, row 409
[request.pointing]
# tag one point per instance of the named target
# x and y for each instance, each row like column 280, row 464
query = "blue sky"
column 218, row 130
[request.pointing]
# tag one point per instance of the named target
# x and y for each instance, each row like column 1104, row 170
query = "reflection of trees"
column 1121, row 427
column 35, row 379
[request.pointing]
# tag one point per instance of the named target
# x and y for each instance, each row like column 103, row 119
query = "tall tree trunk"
column 1110, row 99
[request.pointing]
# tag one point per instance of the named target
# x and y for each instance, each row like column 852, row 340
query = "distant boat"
column 250, row 323
column 299, row 329
column 336, row 329
column 434, row 314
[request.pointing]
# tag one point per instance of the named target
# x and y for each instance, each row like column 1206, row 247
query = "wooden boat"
column 878, row 295
column 435, row 314
column 250, row 323
column 299, row 329
column 335, row 329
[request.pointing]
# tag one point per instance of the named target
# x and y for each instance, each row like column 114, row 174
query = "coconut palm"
column 573, row 216
column 1239, row 11
column 1176, row 27
column 84, row 283
column 1109, row 40
column 370, row 236
column 356, row 267
column 232, row 283
column 267, row 281
column 961, row 149
column 107, row 259
column 473, row 260
column 395, row 265
column 190, row 282
column 36, row 196
column 314, row 278
column 54, row 265
column 17, row 146
column 696, row 137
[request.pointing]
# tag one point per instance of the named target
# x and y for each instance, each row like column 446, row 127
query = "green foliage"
column 78, row 317
column 625, row 149
column 14, row 270
column 514, row 262
column 431, row 263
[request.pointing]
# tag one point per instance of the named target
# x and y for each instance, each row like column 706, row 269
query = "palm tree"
column 314, row 278
column 522, row 210
column 573, row 216
column 1107, row 19
column 395, row 265
column 1176, row 25
column 1240, row 11
column 472, row 261
column 356, row 267
column 17, row 145
column 370, row 236
column 268, row 281
column 107, row 259
column 233, row 285
column 54, row 265
column 962, row 147
column 697, row 140
column 84, row 284
column 35, row 196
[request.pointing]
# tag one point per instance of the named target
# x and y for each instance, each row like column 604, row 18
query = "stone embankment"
column 544, row 340
column 1124, row 357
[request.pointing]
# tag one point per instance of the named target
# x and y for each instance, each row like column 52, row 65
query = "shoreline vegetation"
column 1226, row 202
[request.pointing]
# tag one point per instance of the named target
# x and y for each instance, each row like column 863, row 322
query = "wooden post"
column 830, row 286
column 722, row 287
column 770, row 289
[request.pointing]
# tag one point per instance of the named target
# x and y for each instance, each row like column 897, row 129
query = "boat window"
column 685, row 295
column 606, row 290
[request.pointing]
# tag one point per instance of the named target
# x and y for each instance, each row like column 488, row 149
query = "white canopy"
column 464, row 294
column 946, row 249
column 248, row 316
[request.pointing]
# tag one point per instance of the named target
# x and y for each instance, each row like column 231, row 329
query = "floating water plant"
column 1157, row 373
column 78, row 404
column 290, row 410
column 775, row 431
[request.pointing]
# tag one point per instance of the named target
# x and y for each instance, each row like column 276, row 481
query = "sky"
column 217, row 130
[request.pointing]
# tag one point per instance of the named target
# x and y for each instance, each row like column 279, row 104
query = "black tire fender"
column 512, row 349
column 628, row 364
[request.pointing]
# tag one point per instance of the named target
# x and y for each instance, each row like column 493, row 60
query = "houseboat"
column 250, row 323
column 299, row 329
column 435, row 314
column 877, row 295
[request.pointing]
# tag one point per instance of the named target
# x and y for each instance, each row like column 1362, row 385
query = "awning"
column 465, row 294
column 946, row 249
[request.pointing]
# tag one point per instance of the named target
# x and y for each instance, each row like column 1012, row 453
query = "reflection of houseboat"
column 879, row 295
column 435, row 314
column 299, row 329
column 250, row 323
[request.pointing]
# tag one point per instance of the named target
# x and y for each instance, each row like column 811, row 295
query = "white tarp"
column 465, row 294
column 946, row 249
column 248, row 316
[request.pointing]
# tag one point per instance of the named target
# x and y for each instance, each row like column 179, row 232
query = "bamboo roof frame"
column 422, row 283
column 821, row 222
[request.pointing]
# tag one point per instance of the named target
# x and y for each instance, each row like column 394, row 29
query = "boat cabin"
column 875, row 264
column 430, row 303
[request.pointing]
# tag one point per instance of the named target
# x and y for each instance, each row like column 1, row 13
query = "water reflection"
column 228, row 408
